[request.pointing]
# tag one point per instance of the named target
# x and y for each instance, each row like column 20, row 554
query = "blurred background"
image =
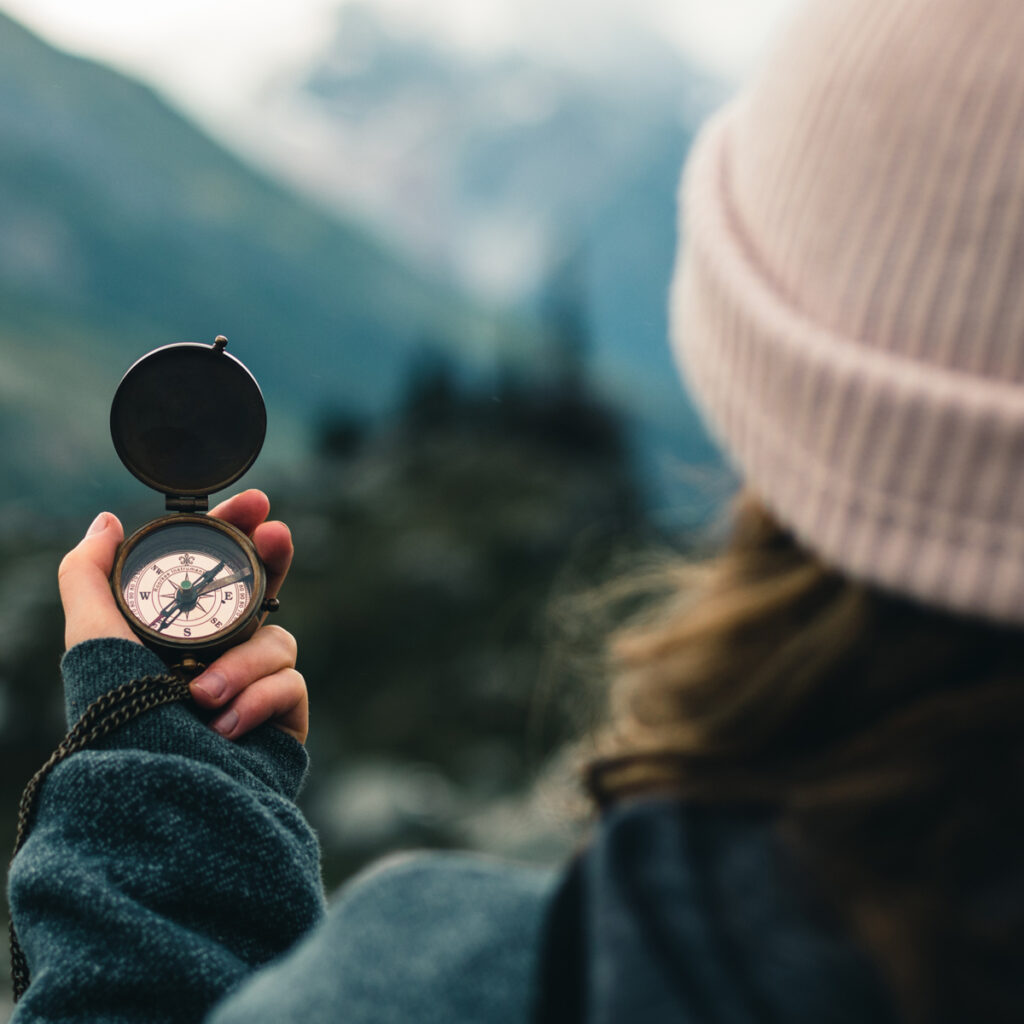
column 440, row 235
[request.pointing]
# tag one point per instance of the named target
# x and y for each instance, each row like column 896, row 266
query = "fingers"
column 253, row 683
column 279, row 699
column 274, row 544
column 273, row 540
column 246, row 510
column 90, row 611
column 256, row 682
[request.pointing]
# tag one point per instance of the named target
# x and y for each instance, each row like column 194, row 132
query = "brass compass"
column 188, row 420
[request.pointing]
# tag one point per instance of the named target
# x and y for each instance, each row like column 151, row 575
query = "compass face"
column 188, row 581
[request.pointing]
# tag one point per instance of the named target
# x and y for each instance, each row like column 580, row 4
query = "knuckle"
column 67, row 566
column 284, row 640
column 284, row 528
column 296, row 684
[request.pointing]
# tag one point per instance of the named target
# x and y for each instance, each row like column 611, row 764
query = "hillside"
column 123, row 227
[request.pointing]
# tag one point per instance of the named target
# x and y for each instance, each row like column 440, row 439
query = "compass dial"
column 188, row 581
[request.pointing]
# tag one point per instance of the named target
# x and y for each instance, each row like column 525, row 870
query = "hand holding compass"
column 251, row 683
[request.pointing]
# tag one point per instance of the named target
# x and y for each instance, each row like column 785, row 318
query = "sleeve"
column 162, row 867
column 435, row 938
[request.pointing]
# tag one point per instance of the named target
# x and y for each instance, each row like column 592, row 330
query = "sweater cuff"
column 94, row 667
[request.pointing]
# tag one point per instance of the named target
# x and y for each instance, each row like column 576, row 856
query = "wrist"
column 93, row 667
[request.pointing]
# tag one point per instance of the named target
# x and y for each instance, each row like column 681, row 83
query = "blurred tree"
column 431, row 395
column 339, row 434
column 420, row 599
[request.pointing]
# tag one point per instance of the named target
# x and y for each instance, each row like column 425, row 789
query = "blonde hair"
column 889, row 736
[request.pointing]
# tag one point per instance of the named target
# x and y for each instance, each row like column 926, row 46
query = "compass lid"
column 188, row 419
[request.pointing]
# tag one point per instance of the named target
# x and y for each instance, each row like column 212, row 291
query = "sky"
column 211, row 56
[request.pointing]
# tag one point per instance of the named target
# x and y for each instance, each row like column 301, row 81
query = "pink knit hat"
column 848, row 307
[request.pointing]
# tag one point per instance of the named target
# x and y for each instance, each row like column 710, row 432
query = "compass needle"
column 224, row 581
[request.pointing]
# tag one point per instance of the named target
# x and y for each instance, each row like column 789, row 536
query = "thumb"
column 89, row 607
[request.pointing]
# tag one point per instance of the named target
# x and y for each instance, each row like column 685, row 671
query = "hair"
column 888, row 735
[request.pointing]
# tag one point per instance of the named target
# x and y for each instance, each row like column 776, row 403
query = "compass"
column 188, row 420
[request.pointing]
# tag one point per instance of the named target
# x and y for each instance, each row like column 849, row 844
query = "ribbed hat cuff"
column 904, row 474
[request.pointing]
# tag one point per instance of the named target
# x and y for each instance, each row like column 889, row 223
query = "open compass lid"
column 188, row 420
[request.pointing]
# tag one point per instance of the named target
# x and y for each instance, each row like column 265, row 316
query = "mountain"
column 123, row 227
column 555, row 156
column 489, row 163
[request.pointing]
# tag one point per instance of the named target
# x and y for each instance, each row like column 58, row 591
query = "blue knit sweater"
column 169, row 877
column 168, row 866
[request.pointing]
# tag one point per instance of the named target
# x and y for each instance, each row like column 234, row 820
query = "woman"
column 812, row 771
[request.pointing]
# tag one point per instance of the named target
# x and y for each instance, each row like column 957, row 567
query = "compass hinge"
column 187, row 503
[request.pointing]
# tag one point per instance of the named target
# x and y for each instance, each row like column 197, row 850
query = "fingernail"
column 211, row 683
column 99, row 524
column 225, row 725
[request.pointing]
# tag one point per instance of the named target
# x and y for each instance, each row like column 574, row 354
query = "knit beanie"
column 848, row 305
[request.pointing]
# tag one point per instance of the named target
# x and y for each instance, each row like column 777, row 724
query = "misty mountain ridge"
column 492, row 165
column 513, row 170
column 123, row 227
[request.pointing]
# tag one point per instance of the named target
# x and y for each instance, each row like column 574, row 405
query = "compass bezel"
column 213, row 644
